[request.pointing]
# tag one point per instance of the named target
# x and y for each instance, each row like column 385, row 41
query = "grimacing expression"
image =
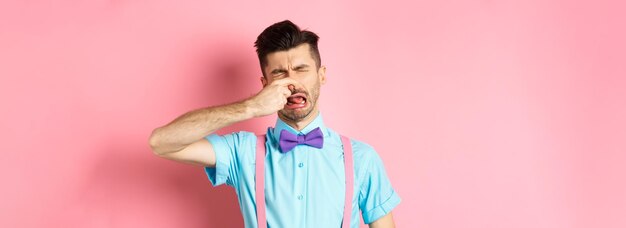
column 298, row 64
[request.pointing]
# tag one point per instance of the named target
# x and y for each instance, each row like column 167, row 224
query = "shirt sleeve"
column 227, row 149
column 376, row 197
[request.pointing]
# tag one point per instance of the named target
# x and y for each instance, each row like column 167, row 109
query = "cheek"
column 312, row 80
column 314, row 89
column 312, row 86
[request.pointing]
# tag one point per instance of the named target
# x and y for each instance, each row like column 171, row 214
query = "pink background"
column 486, row 113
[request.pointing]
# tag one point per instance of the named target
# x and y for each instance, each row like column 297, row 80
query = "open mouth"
column 297, row 100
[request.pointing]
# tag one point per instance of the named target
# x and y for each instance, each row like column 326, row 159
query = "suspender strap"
column 347, row 156
column 260, row 181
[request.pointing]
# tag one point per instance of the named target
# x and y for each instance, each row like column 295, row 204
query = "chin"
column 297, row 115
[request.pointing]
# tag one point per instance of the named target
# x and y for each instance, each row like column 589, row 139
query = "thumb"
column 292, row 88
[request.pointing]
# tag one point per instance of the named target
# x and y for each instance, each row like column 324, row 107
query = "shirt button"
column 300, row 197
column 300, row 164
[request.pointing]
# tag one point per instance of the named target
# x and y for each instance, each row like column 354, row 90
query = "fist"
column 274, row 96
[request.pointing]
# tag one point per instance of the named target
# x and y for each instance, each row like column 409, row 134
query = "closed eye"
column 277, row 72
column 303, row 67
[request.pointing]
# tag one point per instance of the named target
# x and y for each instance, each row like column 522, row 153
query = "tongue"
column 295, row 100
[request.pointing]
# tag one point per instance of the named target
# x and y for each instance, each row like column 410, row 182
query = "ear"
column 321, row 73
column 263, row 81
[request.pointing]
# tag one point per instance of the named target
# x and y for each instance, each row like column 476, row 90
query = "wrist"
column 250, row 108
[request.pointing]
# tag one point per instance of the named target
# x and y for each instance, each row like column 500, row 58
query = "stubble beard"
column 299, row 115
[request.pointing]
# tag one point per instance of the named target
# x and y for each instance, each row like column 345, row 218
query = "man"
column 305, row 185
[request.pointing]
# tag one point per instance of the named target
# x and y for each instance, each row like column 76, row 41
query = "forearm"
column 197, row 124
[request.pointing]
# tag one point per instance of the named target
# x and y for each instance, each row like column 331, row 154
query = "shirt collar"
column 317, row 122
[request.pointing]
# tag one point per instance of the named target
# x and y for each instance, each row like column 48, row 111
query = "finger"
column 286, row 92
column 295, row 86
column 292, row 88
column 289, row 81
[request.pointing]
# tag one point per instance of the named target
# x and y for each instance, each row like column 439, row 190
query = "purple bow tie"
column 288, row 141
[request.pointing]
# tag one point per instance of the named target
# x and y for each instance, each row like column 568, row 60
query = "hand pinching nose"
column 292, row 88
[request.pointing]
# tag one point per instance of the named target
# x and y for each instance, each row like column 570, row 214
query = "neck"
column 301, row 124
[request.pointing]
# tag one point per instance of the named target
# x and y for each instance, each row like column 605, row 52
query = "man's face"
column 296, row 63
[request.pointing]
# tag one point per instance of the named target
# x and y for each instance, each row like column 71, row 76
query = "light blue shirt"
column 306, row 186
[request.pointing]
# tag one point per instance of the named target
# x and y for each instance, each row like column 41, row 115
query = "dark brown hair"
column 283, row 36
